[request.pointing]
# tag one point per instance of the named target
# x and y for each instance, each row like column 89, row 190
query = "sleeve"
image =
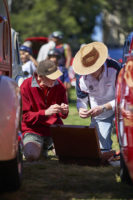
column 82, row 95
column 40, row 54
column 114, row 64
column 112, row 104
column 63, row 99
column 33, row 67
column 30, row 117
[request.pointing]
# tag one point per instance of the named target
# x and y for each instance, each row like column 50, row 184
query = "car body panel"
column 124, row 113
column 9, row 120
column 9, row 91
column 10, row 144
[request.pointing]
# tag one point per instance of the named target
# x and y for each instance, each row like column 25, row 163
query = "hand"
column 53, row 109
column 64, row 108
column 27, row 55
column 84, row 113
column 96, row 111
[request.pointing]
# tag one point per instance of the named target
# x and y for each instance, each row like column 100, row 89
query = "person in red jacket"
column 44, row 103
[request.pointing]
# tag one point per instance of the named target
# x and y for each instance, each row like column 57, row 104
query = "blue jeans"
column 104, row 129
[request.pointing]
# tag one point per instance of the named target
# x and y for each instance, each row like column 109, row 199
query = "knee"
column 32, row 151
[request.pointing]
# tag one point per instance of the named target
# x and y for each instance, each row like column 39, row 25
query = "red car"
column 124, row 112
column 10, row 146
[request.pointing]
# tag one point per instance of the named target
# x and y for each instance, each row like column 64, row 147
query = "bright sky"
column 97, row 35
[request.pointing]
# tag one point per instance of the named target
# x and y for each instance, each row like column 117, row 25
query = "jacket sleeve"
column 63, row 99
column 30, row 117
column 82, row 96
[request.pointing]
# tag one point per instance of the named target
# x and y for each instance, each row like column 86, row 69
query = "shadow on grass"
column 72, row 102
column 51, row 180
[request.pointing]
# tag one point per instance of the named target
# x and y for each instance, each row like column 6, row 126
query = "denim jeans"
column 104, row 130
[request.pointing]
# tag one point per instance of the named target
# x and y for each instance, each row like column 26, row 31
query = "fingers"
column 84, row 113
column 96, row 111
column 64, row 108
column 56, row 108
column 59, row 109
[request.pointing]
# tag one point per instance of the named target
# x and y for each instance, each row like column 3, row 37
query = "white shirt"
column 99, row 91
column 43, row 52
column 29, row 67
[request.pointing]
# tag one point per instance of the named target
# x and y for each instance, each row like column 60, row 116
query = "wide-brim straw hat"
column 90, row 58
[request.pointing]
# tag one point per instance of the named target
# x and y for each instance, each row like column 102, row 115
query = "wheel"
column 11, row 173
column 124, row 174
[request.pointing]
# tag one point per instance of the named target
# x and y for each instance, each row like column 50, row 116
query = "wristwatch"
column 104, row 108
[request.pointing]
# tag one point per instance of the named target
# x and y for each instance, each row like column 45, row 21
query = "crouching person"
column 44, row 103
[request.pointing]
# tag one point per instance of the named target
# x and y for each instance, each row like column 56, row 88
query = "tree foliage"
column 75, row 18
column 124, row 10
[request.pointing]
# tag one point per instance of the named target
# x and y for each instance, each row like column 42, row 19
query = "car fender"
column 9, row 118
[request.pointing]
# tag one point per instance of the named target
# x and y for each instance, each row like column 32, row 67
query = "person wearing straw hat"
column 44, row 103
column 95, row 86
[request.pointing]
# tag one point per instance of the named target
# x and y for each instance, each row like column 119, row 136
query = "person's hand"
column 96, row 111
column 27, row 55
column 84, row 113
column 53, row 109
column 64, row 108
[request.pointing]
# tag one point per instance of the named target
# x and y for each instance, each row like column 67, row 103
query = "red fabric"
column 37, row 39
column 34, row 103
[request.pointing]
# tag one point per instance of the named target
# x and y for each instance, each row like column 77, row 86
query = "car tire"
column 11, row 173
column 124, row 174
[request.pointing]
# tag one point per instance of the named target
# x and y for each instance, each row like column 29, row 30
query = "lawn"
column 73, row 117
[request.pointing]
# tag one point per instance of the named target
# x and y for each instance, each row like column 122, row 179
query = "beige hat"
column 90, row 58
column 49, row 69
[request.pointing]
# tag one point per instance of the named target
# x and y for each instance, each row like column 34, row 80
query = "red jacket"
column 34, row 103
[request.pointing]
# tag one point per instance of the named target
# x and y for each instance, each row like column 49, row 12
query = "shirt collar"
column 34, row 82
column 103, row 74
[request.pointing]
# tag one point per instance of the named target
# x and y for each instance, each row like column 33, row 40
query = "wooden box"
column 76, row 144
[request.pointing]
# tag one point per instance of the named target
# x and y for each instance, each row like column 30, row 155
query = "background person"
column 65, row 54
column 95, row 84
column 44, row 103
column 43, row 52
column 29, row 63
column 63, row 48
column 54, row 55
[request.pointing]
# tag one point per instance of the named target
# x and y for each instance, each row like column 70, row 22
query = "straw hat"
column 49, row 69
column 90, row 58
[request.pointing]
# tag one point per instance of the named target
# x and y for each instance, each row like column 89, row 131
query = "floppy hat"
column 90, row 58
column 49, row 69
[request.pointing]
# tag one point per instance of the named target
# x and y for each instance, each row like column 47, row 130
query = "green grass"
column 73, row 117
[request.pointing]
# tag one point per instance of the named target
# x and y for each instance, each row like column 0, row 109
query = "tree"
column 76, row 18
